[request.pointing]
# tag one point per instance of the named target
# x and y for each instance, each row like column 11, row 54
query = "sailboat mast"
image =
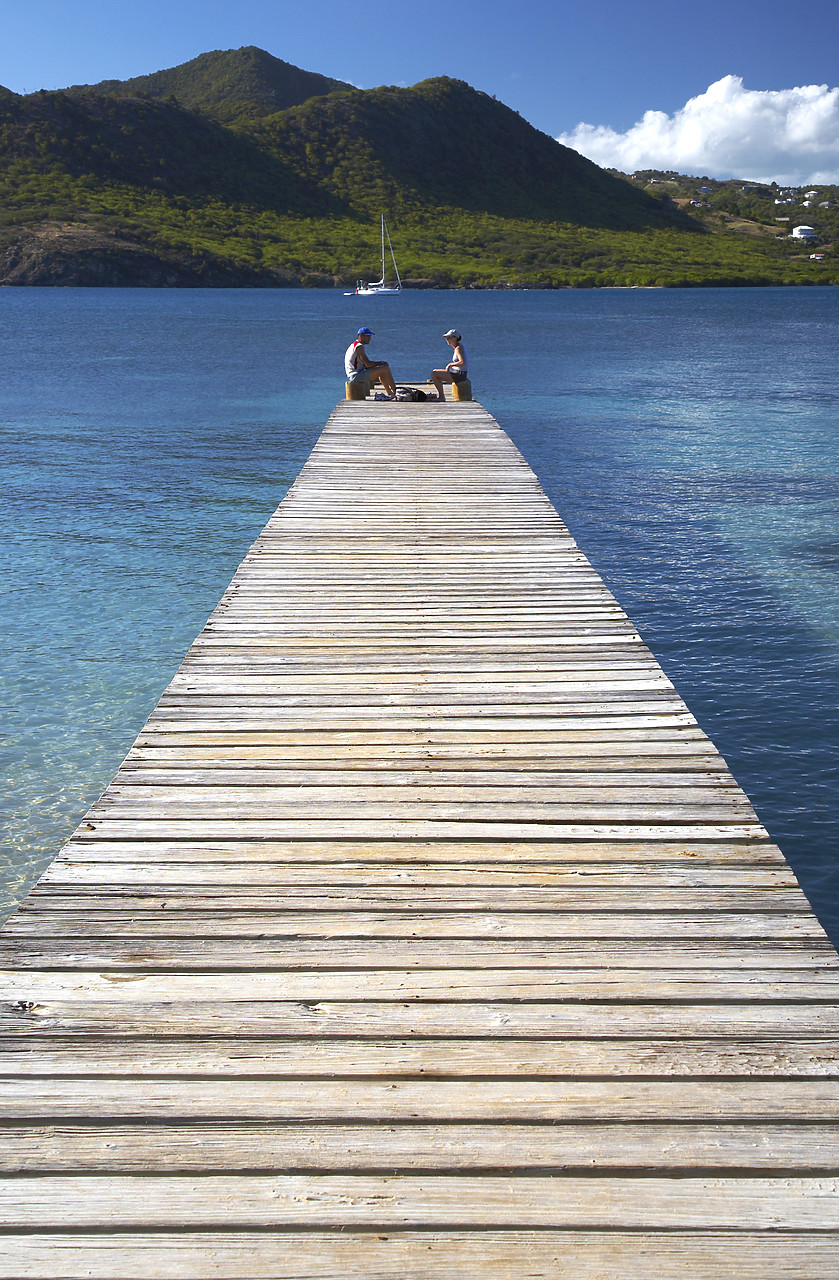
column 383, row 248
column 392, row 254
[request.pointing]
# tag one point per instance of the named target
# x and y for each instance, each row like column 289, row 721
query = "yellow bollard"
column 357, row 390
column 462, row 390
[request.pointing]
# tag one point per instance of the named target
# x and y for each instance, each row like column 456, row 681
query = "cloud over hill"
column 790, row 135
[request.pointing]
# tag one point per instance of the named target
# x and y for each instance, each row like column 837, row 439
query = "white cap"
column 451, row 333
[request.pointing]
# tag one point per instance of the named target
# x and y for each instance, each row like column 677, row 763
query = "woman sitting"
column 455, row 371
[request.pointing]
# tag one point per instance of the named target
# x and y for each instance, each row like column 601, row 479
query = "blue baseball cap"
column 364, row 332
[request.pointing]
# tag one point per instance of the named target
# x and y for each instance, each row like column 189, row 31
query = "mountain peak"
column 228, row 85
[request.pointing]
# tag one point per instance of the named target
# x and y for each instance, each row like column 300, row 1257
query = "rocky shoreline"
column 76, row 255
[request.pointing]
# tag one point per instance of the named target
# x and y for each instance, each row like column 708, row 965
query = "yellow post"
column 462, row 390
column 357, row 390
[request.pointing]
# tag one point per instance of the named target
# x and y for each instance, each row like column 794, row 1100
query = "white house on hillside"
column 804, row 233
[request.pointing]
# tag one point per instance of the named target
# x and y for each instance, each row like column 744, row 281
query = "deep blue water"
column 690, row 439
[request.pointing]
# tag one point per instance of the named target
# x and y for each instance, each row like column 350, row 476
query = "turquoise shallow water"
column 689, row 438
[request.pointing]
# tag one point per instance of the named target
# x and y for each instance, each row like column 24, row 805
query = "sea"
column 689, row 438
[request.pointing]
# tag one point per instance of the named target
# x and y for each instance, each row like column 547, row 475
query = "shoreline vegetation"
column 239, row 170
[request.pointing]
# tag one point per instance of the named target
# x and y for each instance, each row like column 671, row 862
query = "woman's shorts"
column 457, row 375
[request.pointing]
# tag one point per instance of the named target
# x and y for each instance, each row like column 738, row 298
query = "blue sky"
column 596, row 62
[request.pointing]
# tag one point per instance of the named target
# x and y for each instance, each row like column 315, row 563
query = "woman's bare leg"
column 438, row 377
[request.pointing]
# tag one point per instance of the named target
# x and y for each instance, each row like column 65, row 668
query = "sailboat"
column 379, row 287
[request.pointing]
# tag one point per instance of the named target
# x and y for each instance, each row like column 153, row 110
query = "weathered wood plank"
column 112, row 915
column 295, row 952
column 165, row 1148
column 533, row 984
column 499, row 784
column 342, row 898
column 501, row 1019
column 360, row 828
column 259, row 1200
column 451, row 854
column 240, row 873
column 401, row 1100
column 155, row 733
column 163, row 1054
column 570, row 1254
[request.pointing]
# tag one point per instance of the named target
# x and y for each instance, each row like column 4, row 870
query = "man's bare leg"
column 385, row 377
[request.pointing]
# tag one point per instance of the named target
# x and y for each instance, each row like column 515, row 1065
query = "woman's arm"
column 458, row 362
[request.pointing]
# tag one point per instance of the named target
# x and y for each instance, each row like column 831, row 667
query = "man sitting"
column 360, row 369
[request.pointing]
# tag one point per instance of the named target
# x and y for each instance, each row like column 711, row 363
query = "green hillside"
column 234, row 85
column 150, row 147
column 200, row 181
column 443, row 143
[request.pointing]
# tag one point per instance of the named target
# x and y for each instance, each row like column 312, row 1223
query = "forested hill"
column 443, row 143
column 438, row 145
column 227, row 170
column 232, row 85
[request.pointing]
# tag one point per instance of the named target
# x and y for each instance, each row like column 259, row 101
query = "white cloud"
column 789, row 135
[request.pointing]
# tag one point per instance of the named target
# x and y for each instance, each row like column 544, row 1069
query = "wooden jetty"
column 422, row 933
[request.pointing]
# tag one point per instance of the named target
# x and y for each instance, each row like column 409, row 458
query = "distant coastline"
column 238, row 170
column 81, row 254
column 81, row 257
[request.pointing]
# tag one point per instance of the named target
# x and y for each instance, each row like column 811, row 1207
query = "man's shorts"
column 360, row 375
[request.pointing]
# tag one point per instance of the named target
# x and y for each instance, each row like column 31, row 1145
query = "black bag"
column 410, row 393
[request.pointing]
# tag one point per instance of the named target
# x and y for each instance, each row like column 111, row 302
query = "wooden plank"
column 534, row 984
column 356, row 827
column 502, row 1020
column 341, row 898
column 112, row 915
column 205, row 1147
column 685, row 729
column 164, row 1054
column 400, row 1100
column 298, row 953
column 406, row 1200
column 553, row 783
column 451, row 854
column 570, row 1254
column 240, row 874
